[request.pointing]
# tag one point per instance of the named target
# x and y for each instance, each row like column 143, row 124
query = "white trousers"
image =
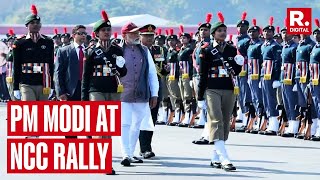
column 132, row 115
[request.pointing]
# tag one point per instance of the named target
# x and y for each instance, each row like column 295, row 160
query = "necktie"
column 81, row 56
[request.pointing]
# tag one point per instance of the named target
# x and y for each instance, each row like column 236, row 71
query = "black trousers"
column 145, row 137
column 75, row 97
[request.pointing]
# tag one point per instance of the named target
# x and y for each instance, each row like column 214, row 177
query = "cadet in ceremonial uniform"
column 33, row 62
column 185, row 76
column 218, row 65
column 147, row 33
column 65, row 37
column 315, row 86
column 103, row 66
column 270, row 81
column 287, row 78
column 9, row 59
column 173, row 80
column 56, row 40
column 303, row 76
column 245, row 93
column 204, row 33
column 277, row 37
column 254, row 69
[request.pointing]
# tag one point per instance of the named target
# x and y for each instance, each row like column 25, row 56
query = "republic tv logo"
column 299, row 21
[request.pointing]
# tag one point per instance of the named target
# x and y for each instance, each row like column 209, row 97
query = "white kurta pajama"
column 136, row 114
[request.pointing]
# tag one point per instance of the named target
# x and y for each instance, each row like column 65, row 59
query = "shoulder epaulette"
column 21, row 37
column 89, row 47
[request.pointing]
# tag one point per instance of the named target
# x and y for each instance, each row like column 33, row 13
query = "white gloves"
column 17, row 94
column 295, row 88
column 191, row 84
column 120, row 61
column 202, row 104
column 260, row 86
column 276, row 84
column 239, row 60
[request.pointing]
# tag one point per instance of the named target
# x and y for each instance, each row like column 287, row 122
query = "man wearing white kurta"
column 141, row 88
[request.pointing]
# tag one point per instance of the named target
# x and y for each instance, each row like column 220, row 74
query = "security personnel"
column 314, row 79
column 287, row 78
column 185, row 76
column 147, row 33
column 65, row 37
column 218, row 65
column 173, row 80
column 103, row 67
column 254, row 69
column 33, row 62
column 9, row 59
column 270, row 77
column 245, row 94
column 303, row 76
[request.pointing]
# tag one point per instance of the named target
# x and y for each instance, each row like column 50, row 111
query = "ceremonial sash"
column 244, row 69
column 46, row 79
column 172, row 71
column 254, row 69
column 185, row 67
column 287, row 69
column 9, row 72
column 268, row 66
column 302, row 68
column 314, row 69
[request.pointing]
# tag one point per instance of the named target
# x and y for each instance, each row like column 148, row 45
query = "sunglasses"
column 81, row 33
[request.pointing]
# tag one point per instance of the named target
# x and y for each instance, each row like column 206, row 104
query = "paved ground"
column 255, row 156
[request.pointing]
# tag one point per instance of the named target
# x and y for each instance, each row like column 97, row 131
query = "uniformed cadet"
column 147, row 33
column 315, row 86
column 245, row 94
column 254, row 69
column 93, row 41
column 103, row 66
column 9, row 77
column 56, row 40
column 185, row 76
column 277, row 37
column 218, row 65
column 302, row 80
column 204, row 35
column 287, row 78
column 65, row 37
column 33, row 62
column 270, row 78
column 173, row 80
column 115, row 38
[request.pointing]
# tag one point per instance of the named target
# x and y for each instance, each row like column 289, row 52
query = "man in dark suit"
column 69, row 67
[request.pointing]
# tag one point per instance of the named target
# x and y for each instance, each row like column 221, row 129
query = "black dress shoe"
column 200, row 141
column 198, row 126
column 228, row 167
column 183, row 125
column 216, row 165
column 160, row 123
column 172, row 124
column 113, row 172
column 315, row 138
column 147, row 154
column 135, row 160
column 254, row 131
column 261, row 132
column 287, row 135
column 300, row 136
column 270, row 133
column 241, row 129
column 125, row 162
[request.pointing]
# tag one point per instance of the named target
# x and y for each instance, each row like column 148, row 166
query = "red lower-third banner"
column 59, row 155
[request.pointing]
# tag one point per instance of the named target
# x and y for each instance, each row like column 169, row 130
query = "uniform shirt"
column 271, row 51
column 26, row 51
column 185, row 55
column 243, row 44
column 288, row 55
column 173, row 60
column 209, row 61
column 303, row 53
column 254, row 53
column 315, row 54
column 159, row 58
column 96, row 56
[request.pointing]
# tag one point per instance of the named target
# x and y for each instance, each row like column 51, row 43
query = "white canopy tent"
column 139, row 20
